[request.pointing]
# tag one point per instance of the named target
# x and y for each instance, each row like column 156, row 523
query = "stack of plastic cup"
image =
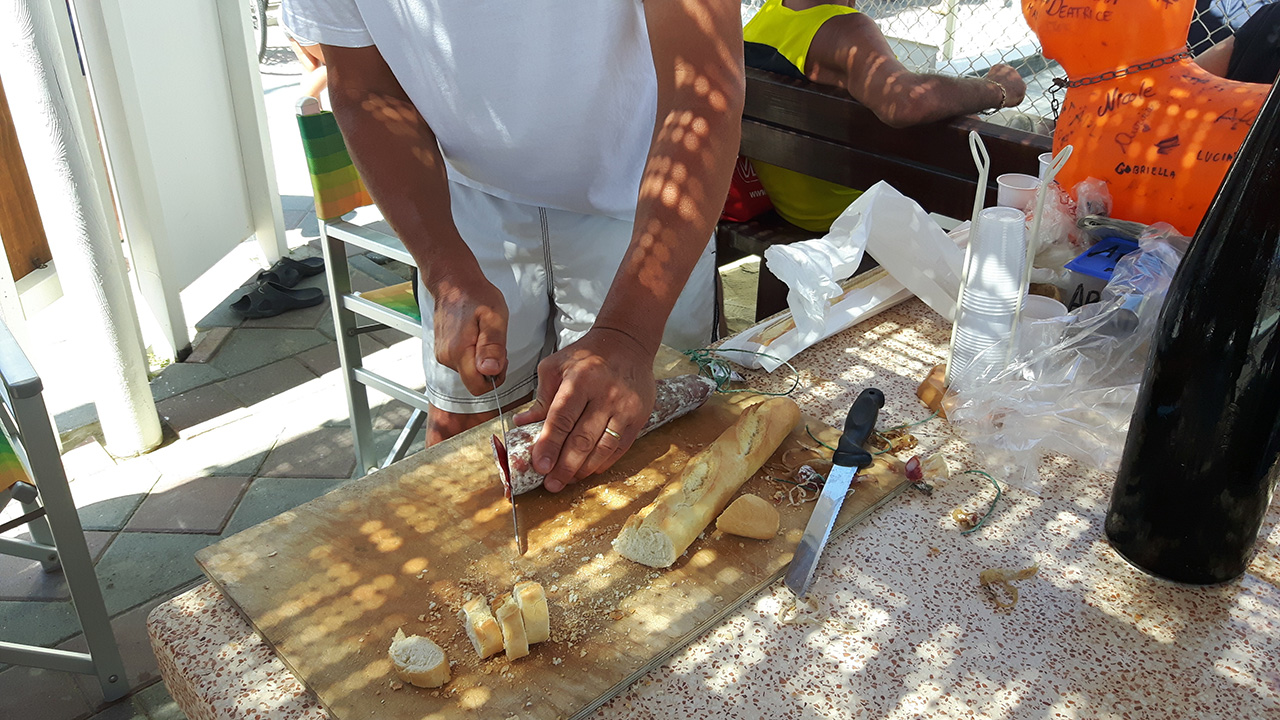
column 987, row 312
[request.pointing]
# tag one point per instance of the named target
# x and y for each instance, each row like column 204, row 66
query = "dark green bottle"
column 1198, row 467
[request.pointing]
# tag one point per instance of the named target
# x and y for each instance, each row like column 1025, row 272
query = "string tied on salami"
column 673, row 398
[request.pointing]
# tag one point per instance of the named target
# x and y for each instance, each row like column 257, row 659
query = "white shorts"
column 554, row 269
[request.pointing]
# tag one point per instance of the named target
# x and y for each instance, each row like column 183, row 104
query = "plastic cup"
column 1040, row 324
column 997, row 254
column 1016, row 190
column 988, row 307
column 1039, row 307
column 1046, row 159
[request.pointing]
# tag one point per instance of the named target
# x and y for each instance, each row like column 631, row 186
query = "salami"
column 674, row 398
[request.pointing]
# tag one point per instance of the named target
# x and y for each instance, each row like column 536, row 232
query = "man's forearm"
column 930, row 98
column 399, row 161
column 691, row 157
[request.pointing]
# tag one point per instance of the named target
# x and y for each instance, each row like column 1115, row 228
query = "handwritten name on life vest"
column 1127, row 169
column 1207, row 156
column 1116, row 99
column 1060, row 9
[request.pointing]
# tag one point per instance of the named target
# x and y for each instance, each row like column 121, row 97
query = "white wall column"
column 41, row 75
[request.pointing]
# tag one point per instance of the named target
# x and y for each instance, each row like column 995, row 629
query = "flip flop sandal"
column 288, row 272
column 268, row 299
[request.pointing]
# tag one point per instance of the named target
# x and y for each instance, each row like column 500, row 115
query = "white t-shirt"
column 545, row 102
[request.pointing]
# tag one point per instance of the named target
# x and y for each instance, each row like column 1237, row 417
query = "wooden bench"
column 822, row 132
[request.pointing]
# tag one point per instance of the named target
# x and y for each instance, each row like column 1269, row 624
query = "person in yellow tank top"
column 831, row 43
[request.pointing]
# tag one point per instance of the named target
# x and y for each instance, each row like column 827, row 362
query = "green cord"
column 811, row 437
column 705, row 359
column 993, row 502
column 904, row 426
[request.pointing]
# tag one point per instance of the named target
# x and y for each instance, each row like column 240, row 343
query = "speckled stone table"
column 902, row 627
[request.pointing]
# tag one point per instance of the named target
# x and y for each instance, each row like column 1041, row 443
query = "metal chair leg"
column 344, row 325
column 410, row 431
column 66, row 535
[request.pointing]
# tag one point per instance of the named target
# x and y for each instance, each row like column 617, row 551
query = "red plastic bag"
column 747, row 197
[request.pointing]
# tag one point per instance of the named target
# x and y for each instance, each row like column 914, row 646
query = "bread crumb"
column 396, row 685
column 560, row 549
column 422, row 618
column 599, row 556
column 556, row 661
column 582, row 654
column 555, row 575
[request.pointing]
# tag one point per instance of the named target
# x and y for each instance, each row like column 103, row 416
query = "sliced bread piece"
column 533, row 607
column 511, row 620
column 482, row 628
column 418, row 660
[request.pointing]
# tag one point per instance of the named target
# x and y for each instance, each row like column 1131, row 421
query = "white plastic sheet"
column 916, row 255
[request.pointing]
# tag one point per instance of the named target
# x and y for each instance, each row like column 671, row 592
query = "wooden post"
column 20, row 226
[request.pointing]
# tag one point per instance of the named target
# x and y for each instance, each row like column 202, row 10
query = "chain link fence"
column 967, row 37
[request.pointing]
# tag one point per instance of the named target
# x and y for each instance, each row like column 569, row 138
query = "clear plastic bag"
column 1093, row 197
column 1073, row 381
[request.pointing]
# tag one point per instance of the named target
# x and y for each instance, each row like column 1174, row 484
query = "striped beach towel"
column 11, row 469
column 337, row 187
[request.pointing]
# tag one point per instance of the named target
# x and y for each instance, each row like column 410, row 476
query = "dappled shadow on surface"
column 903, row 629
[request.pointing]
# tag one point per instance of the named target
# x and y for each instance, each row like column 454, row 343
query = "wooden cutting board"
column 328, row 583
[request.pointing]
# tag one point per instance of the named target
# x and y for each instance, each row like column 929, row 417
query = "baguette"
column 482, row 628
column 512, row 622
column 418, row 660
column 532, row 601
column 749, row 516
column 662, row 531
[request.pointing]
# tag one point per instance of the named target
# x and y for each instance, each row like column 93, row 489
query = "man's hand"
column 1015, row 88
column 603, row 381
column 470, row 321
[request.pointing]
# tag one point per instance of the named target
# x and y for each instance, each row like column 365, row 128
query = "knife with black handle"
column 849, row 457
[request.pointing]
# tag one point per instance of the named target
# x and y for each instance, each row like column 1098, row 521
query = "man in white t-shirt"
column 556, row 170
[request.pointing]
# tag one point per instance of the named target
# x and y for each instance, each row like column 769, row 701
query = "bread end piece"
column 749, row 516
column 418, row 661
column 482, row 628
column 532, row 600
column 511, row 620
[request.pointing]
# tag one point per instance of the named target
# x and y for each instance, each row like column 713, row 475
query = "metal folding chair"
column 338, row 191
column 31, row 472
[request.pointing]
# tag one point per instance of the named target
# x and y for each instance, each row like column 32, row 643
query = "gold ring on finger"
column 613, row 432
